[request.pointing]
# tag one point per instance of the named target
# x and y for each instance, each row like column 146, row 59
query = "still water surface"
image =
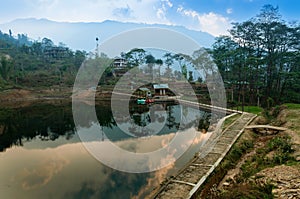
column 41, row 155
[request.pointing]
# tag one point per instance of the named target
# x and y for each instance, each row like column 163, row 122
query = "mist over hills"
column 82, row 35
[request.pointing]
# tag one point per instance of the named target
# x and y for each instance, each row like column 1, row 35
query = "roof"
column 144, row 89
column 119, row 58
column 160, row 86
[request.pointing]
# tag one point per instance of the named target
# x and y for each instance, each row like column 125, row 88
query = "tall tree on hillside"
column 135, row 57
column 279, row 40
column 150, row 61
column 5, row 68
column 168, row 60
column 159, row 62
column 180, row 60
column 191, row 78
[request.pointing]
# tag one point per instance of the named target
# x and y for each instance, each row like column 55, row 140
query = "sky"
column 212, row 16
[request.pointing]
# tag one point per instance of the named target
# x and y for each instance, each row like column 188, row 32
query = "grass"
column 250, row 109
column 277, row 151
column 293, row 116
column 292, row 106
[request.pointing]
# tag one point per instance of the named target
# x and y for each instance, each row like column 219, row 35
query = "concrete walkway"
column 189, row 179
column 207, row 106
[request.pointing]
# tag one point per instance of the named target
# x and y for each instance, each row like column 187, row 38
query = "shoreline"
column 188, row 180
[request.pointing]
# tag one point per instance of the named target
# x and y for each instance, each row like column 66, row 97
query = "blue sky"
column 212, row 16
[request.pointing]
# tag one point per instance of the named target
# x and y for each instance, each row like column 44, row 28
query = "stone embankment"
column 188, row 180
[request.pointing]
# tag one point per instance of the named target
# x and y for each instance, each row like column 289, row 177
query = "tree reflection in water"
column 48, row 122
column 45, row 121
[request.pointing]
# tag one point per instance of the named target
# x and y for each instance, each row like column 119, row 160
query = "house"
column 119, row 63
column 119, row 66
column 55, row 52
column 160, row 89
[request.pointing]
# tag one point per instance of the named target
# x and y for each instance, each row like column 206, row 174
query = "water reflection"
column 42, row 156
column 63, row 172
column 43, row 121
column 147, row 120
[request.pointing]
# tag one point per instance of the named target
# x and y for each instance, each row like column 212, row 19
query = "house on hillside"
column 119, row 63
column 119, row 66
column 56, row 52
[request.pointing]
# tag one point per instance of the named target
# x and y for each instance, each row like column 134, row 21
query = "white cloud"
column 180, row 9
column 123, row 12
column 212, row 23
column 146, row 11
column 229, row 11
column 162, row 11
column 168, row 2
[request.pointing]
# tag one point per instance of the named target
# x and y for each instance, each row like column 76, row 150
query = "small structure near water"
column 161, row 89
column 144, row 92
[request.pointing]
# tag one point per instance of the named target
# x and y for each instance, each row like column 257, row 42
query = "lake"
column 42, row 155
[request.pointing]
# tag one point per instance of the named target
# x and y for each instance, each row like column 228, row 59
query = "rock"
column 285, row 178
column 260, row 120
column 226, row 184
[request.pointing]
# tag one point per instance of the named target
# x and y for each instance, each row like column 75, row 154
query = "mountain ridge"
column 81, row 35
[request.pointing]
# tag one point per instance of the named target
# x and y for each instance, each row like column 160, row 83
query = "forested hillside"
column 36, row 63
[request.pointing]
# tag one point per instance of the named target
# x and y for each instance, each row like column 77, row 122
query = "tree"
column 200, row 80
column 184, row 71
column 150, row 60
column 5, row 68
column 47, row 42
column 180, row 58
column 168, row 73
column 278, row 41
column 79, row 58
column 168, row 61
column 135, row 57
column 159, row 62
column 177, row 74
column 191, row 78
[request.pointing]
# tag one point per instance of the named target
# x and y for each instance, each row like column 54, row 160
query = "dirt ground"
column 17, row 98
column 20, row 94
